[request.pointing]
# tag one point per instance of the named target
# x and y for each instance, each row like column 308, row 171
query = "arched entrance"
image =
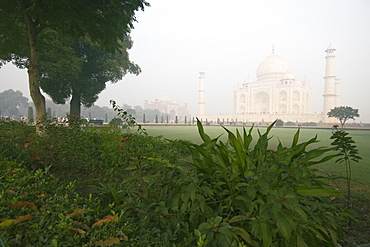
column 262, row 103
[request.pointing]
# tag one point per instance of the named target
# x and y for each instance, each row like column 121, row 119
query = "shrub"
column 279, row 123
column 116, row 122
column 309, row 124
column 229, row 194
column 289, row 123
column 41, row 211
column 14, row 137
column 238, row 194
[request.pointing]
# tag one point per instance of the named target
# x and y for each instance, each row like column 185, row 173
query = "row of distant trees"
column 13, row 103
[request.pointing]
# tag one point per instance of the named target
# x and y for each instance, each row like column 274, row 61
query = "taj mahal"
column 276, row 94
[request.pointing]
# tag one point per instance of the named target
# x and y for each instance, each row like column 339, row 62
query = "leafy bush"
column 229, row 194
column 130, row 166
column 289, row 123
column 37, row 210
column 238, row 194
column 116, row 122
column 13, row 137
column 309, row 124
column 279, row 122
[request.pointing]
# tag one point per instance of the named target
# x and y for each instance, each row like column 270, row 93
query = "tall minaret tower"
column 331, row 90
column 201, row 102
column 337, row 91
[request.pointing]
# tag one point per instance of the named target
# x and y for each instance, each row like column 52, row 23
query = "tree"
column 24, row 22
column 85, row 72
column 10, row 101
column 343, row 113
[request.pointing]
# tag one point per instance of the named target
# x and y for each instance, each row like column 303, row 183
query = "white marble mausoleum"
column 277, row 94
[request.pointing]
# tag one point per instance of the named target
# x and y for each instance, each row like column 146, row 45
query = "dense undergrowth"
column 75, row 186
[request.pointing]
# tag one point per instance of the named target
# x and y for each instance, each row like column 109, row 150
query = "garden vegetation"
column 85, row 186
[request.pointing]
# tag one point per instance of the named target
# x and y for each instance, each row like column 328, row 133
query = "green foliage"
column 279, row 123
column 115, row 122
column 79, row 20
column 261, row 196
column 80, row 69
column 289, row 123
column 343, row 113
column 24, row 23
column 347, row 152
column 136, row 173
column 309, row 124
column 60, row 146
column 10, row 101
column 228, row 193
column 127, row 119
column 42, row 211
column 14, row 136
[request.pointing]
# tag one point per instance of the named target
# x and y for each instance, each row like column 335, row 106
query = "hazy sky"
column 174, row 40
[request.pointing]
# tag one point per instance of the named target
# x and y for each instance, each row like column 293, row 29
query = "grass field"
column 360, row 171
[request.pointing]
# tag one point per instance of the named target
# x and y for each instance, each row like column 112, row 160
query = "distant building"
column 165, row 106
column 276, row 94
column 274, row 91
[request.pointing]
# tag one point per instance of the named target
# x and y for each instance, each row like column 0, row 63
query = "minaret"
column 337, row 91
column 201, row 102
column 330, row 92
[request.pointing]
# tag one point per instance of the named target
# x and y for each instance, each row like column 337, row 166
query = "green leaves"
column 261, row 196
column 202, row 134
column 218, row 233
column 343, row 113
column 233, row 193
column 316, row 192
column 347, row 152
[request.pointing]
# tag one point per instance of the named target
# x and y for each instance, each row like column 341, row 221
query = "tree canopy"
column 343, row 113
column 79, row 70
column 24, row 22
column 10, row 101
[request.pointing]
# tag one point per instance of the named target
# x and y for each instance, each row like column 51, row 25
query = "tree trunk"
column 34, row 71
column 75, row 106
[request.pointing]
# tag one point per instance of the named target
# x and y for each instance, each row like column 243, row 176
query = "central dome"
column 272, row 66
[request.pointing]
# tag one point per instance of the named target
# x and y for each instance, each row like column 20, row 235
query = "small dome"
column 273, row 65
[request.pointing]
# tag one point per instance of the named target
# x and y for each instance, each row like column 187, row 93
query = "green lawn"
column 361, row 170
